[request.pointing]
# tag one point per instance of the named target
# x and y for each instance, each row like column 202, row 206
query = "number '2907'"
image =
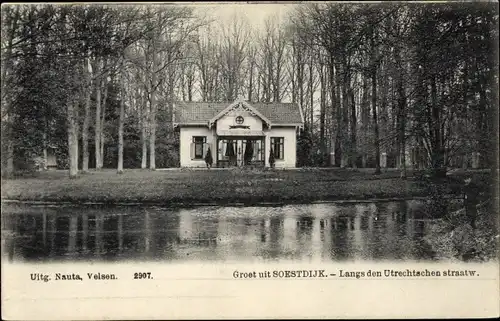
column 142, row 275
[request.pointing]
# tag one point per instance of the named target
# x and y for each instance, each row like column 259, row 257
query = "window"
column 239, row 120
column 197, row 147
column 277, row 146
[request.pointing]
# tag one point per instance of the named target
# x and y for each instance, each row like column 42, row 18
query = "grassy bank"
column 222, row 186
column 454, row 238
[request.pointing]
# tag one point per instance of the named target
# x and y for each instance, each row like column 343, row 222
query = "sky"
column 255, row 13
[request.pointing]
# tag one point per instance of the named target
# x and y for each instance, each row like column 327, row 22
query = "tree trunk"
column 86, row 121
column 215, row 93
column 375, row 120
column 293, row 76
column 97, row 127
column 322, row 115
column 275, row 80
column 120, row 127
column 152, row 116
column 72, row 139
column 45, row 153
column 170, row 102
column 338, row 116
column 311, row 95
column 373, row 72
column 354, row 151
column 365, row 119
column 144, row 139
column 437, row 142
column 183, row 83
column 331, row 75
column 190, row 88
column 401, row 112
column 403, row 148
column 258, row 78
column 143, row 121
column 344, row 131
column 103, row 118
column 250, row 87
column 300, row 82
column 402, row 128
column 269, row 78
column 9, row 170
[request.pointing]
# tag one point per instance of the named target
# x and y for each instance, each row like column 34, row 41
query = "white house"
column 238, row 134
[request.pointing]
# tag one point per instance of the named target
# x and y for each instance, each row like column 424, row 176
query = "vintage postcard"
column 232, row 160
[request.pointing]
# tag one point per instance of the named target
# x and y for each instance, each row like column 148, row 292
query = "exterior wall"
column 186, row 137
column 290, row 146
column 227, row 120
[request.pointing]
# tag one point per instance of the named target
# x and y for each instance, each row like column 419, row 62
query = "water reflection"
column 324, row 232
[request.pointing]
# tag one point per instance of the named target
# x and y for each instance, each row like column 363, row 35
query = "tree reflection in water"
column 327, row 232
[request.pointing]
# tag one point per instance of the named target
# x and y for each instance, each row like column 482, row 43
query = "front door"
column 227, row 152
column 240, row 152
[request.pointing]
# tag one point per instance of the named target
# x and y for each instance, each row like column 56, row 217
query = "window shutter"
column 283, row 149
column 192, row 150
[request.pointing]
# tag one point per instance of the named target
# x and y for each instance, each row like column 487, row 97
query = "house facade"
column 238, row 134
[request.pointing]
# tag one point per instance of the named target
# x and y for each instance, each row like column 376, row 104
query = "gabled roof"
column 242, row 103
column 200, row 113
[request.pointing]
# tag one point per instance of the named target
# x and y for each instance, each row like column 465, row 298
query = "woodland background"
column 96, row 84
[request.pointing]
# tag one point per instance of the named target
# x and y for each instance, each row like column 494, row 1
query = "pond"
column 326, row 232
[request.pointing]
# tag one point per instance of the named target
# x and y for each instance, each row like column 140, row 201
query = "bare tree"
column 233, row 53
column 168, row 29
column 373, row 75
column 120, row 123
column 206, row 61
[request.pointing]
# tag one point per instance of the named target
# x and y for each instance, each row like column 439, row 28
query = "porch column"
column 263, row 150
column 216, row 149
column 267, row 148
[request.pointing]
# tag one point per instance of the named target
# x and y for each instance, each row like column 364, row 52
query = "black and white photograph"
column 249, row 133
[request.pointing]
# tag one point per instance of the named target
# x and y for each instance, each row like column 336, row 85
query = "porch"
column 240, row 151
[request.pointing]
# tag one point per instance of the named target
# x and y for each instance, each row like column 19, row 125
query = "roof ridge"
column 202, row 111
